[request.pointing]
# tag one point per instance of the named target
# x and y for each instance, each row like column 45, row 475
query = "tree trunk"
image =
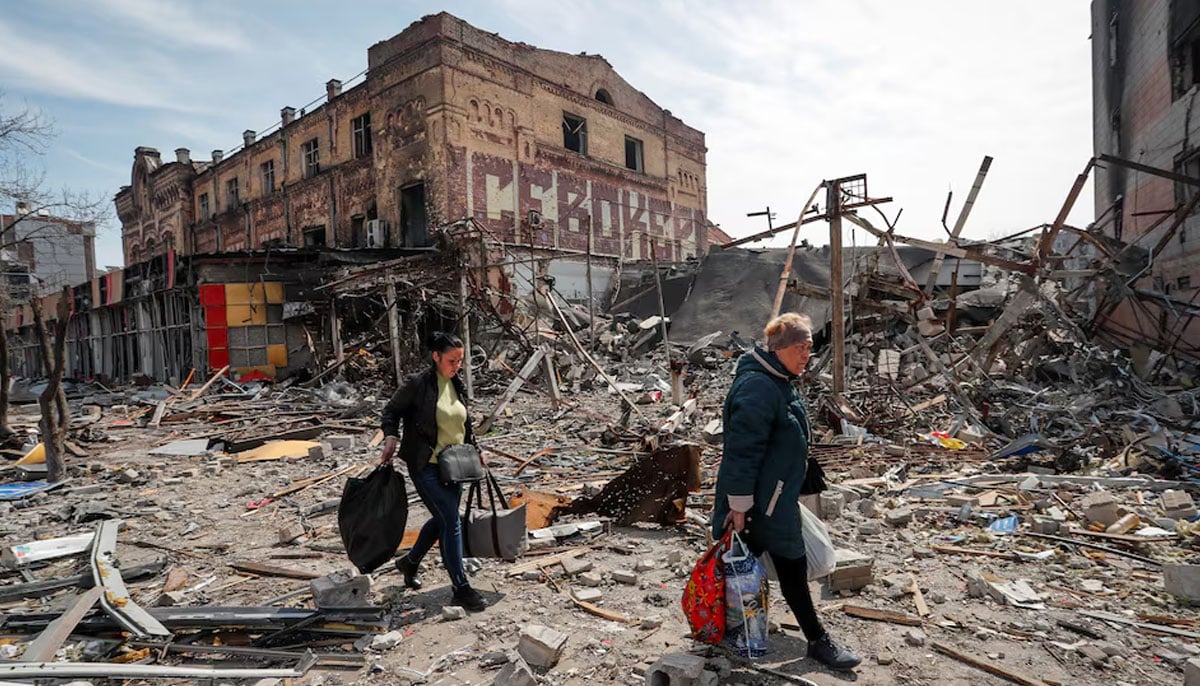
column 5, row 371
column 53, row 401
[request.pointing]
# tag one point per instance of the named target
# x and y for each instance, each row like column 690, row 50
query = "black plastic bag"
column 372, row 517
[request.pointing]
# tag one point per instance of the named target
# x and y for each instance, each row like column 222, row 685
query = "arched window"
column 603, row 96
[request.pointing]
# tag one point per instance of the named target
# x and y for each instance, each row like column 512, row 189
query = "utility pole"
column 770, row 215
column 837, row 318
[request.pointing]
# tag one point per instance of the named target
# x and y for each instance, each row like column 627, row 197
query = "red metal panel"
column 215, row 316
column 212, row 294
column 218, row 337
column 218, row 358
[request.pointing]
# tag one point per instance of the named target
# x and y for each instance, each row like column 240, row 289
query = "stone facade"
column 540, row 147
column 1146, row 84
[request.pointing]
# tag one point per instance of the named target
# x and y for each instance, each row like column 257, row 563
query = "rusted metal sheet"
column 654, row 489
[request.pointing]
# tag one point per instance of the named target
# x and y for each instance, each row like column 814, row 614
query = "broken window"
column 603, row 96
column 231, row 193
column 204, row 213
column 314, row 236
column 312, row 158
column 1184, row 282
column 1185, row 47
column 574, row 133
column 412, row 216
column 633, row 154
column 361, row 126
column 267, row 171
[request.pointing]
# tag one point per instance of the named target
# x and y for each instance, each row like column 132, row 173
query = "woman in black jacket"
column 433, row 406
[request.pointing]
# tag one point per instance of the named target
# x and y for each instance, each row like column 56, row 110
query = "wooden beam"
column 990, row 667
column 882, row 615
column 200, row 391
column 940, row 256
column 787, row 265
column 511, row 392
column 259, row 569
column 56, row 633
column 837, row 300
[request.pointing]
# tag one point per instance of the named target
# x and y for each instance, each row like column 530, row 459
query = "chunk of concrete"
column 341, row 589
column 1178, row 504
column 574, row 565
column 1191, row 672
column 340, row 442
column 900, row 516
column 1101, row 507
column 387, row 641
column 853, row 571
column 1182, row 580
column 832, row 504
column 676, row 669
column 451, row 613
column 587, row 594
column 515, row 673
column 541, row 646
column 624, row 576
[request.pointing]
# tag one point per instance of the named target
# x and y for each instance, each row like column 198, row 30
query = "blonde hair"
column 787, row 329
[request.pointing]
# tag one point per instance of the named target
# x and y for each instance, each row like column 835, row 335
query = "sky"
column 788, row 93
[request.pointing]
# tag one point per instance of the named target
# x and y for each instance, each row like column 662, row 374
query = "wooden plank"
column 990, row 667
column 304, row 484
column 1147, row 626
column 511, row 392
column 56, row 633
column 517, row 570
column 882, row 615
column 599, row 611
column 158, row 413
column 918, row 597
column 200, row 391
column 955, row 550
column 260, row 569
column 1125, row 538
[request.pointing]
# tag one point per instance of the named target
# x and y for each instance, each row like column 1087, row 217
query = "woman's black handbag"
column 814, row 478
column 460, row 464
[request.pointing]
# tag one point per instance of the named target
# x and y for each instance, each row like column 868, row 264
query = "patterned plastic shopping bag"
column 704, row 596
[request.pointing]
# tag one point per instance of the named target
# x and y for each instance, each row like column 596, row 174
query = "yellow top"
column 451, row 417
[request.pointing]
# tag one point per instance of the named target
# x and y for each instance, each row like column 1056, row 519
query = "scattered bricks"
column 171, row 599
column 541, row 646
column 853, row 571
column 515, row 673
column 914, row 637
column 644, row 565
column 531, row 575
column 451, row 613
column 387, row 641
column 677, row 669
column 574, row 565
column 172, row 481
column 1045, row 525
column 590, row 579
column 900, row 516
column 1178, row 504
column 341, row 589
column 624, row 576
column 1182, row 580
column 316, row 453
column 832, row 503
column 1125, row 524
column 870, row 528
column 290, row 532
column 128, row 476
column 341, row 442
column 1101, row 507
column 587, row 594
column 1191, row 672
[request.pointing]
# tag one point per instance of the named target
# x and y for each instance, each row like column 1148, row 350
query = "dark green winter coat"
column 766, row 453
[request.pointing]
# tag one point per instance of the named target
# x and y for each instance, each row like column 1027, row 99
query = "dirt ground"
column 194, row 511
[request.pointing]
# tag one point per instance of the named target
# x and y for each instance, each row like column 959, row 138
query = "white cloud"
column 179, row 24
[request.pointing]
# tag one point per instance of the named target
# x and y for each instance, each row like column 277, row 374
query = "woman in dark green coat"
column 766, row 452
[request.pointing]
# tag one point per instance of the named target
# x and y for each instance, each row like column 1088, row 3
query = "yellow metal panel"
column 245, row 315
column 277, row 355
column 274, row 292
column 237, row 294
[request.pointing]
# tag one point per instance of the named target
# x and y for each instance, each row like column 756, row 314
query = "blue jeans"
column 445, row 526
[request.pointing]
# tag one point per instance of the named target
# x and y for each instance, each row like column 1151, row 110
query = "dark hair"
column 442, row 341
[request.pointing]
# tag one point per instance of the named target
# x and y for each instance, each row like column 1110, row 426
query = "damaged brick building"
column 1145, row 81
column 541, row 147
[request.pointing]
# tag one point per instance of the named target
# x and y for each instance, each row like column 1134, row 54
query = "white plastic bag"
column 822, row 558
column 746, row 600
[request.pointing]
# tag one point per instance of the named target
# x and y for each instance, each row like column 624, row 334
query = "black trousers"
column 793, row 581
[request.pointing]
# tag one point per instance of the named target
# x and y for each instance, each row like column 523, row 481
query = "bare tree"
column 56, row 415
column 26, row 133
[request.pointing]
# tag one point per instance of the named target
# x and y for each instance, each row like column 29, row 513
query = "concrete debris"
column 680, row 669
column 541, row 646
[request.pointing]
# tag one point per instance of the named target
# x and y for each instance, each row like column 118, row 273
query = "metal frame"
column 108, row 670
column 115, row 599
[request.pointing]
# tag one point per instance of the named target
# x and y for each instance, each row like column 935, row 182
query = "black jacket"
column 415, row 402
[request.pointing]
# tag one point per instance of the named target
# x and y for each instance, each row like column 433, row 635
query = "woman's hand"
column 483, row 457
column 389, row 450
column 737, row 520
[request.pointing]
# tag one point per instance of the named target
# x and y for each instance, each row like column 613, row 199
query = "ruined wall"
column 1144, row 111
column 156, row 208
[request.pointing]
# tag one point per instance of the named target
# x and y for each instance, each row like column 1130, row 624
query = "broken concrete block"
column 574, row 565
column 515, row 673
column 914, row 637
column 387, row 641
column 868, row 508
column 1125, row 524
column 171, row 599
column 1191, row 672
column 854, row 571
column 1094, row 653
column 644, row 565
column 1182, row 580
column 832, row 504
column 341, row 589
column 591, row 579
column 674, row 557
column 541, row 646
column 316, row 453
column 1178, row 504
column 587, row 594
column 128, row 476
column 898, row 517
column 1045, row 525
column 290, row 532
column 453, row 612
column 624, row 576
column 676, row 669
column 869, row 528
column 340, row 442
column 1101, row 507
